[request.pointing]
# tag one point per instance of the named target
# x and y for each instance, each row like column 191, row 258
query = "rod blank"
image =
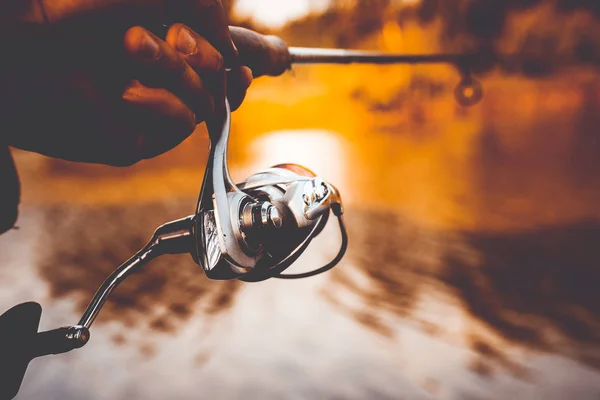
column 308, row 55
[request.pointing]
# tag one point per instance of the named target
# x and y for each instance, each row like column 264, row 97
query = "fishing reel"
column 255, row 230
column 252, row 231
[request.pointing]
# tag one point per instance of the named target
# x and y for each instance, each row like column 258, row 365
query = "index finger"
column 207, row 18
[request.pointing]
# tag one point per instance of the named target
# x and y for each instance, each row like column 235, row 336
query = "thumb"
column 10, row 190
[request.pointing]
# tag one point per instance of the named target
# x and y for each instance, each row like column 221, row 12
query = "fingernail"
column 186, row 42
column 149, row 47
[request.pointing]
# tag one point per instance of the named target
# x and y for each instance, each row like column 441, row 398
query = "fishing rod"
column 270, row 55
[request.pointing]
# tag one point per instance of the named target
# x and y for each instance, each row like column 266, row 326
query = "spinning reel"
column 252, row 231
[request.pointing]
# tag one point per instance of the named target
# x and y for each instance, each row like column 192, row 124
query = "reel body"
column 253, row 231
column 278, row 211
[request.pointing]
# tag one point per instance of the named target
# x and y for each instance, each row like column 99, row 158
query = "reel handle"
column 20, row 343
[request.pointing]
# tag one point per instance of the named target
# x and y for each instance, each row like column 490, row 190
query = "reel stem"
column 115, row 278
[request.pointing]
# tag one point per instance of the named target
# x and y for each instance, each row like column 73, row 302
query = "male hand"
column 109, row 81
column 92, row 81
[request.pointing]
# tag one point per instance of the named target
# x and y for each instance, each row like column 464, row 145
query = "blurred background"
column 472, row 270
